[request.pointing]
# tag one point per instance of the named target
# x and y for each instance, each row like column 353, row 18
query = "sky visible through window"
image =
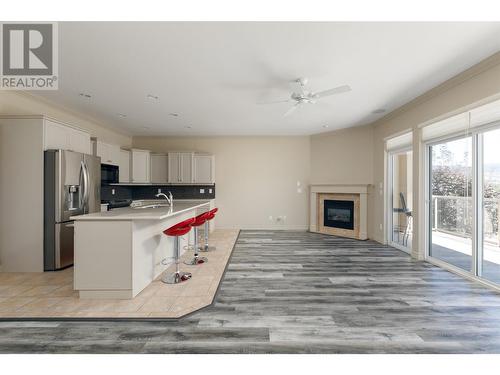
column 461, row 150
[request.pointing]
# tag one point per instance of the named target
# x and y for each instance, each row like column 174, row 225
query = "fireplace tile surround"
column 357, row 193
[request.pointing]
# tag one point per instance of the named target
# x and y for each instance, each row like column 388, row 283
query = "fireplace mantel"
column 357, row 189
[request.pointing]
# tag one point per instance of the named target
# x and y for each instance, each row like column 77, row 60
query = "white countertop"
column 160, row 213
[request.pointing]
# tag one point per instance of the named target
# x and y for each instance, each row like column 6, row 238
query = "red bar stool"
column 198, row 222
column 176, row 231
column 210, row 216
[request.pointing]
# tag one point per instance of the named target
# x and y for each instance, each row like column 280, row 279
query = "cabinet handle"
column 180, row 168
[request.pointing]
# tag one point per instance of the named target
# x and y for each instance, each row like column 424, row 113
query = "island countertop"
column 160, row 213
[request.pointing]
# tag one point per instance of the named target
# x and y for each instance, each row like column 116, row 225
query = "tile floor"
column 51, row 294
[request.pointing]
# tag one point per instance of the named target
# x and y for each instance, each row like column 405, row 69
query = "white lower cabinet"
column 140, row 166
column 159, row 167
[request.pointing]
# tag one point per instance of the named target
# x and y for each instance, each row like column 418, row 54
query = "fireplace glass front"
column 339, row 214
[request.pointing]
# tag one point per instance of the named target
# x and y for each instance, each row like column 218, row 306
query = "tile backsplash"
column 149, row 192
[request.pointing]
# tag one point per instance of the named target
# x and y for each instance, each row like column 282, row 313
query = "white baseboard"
column 267, row 227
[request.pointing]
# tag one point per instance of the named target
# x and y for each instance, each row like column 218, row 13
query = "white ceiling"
column 215, row 74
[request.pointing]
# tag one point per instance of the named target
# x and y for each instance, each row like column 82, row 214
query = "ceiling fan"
column 301, row 95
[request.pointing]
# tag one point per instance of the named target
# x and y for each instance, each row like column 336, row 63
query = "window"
column 490, row 169
column 451, row 202
column 464, row 202
column 401, row 199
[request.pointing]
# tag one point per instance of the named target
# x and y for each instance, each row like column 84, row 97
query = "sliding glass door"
column 490, row 169
column 401, row 199
column 464, row 202
column 451, row 202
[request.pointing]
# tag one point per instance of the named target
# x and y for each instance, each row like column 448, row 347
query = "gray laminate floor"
column 297, row 292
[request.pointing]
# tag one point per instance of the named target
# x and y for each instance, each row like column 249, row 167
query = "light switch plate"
column 112, row 191
column 202, row 191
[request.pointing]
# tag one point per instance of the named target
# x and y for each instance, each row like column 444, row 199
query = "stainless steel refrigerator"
column 71, row 187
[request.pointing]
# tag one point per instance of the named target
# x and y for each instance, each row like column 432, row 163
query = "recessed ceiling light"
column 326, row 126
column 173, row 114
column 84, row 95
column 378, row 111
column 152, row 97
column 145, row 127
column 187, row 127
column 121, row 115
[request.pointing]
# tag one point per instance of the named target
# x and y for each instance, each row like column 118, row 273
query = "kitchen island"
column 120, row 252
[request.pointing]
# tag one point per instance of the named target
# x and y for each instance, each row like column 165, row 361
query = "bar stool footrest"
column 176, row 277
column 207, row 248
column 196, row 261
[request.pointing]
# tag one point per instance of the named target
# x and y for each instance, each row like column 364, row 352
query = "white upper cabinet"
column 79, row 141
column 174, row 172
column 159, row 166
column 109, row 154
column 180, row 167
column 59, row 136
column 204, row 169
column 124, row 166
column 141, row 166
column 186, row 167
column 56, row 136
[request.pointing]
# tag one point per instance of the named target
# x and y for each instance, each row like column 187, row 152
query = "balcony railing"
column 453, row 215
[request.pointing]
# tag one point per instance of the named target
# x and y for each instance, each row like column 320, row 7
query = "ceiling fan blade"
column 297, row 87
column 274, row 102
column 336, row 90
column 291, row 110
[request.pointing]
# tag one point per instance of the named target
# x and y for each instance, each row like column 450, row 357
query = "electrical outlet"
column 159, row 191
column 112, row 191
column 202, row 191
column 210, row 191
column 380, row 226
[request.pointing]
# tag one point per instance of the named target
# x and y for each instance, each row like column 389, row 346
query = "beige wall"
column 20, row 103
column 476, row 85
column 256, row 177
column 342, row 156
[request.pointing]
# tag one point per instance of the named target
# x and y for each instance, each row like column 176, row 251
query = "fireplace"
column 338, row 214
column 339, row 210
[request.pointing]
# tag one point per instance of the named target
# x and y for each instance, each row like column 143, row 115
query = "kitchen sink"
column 154, row 203
column 150, row 206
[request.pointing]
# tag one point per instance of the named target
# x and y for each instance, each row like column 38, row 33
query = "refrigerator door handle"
column 85, row 187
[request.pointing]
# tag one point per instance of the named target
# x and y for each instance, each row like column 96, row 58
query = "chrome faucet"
column 169, row 198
